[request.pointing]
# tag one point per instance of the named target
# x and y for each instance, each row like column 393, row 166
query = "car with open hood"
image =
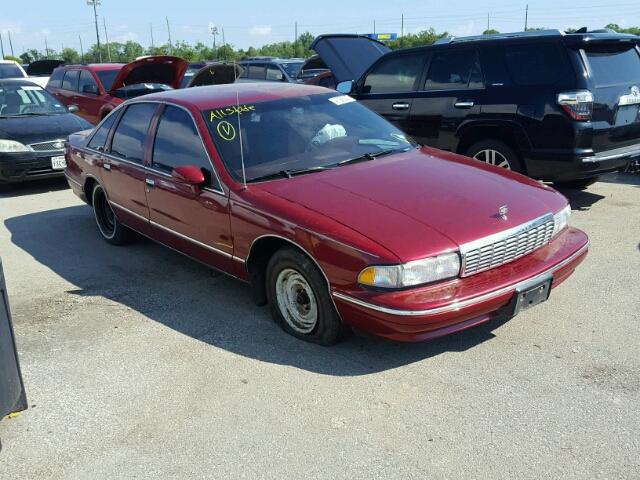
column 559, row 107
column 96, row 89
column 333, row 216
column 33, row 129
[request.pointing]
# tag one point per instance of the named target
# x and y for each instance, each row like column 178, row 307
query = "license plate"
column 531, row 295
column 627, row 115
column 58, row 163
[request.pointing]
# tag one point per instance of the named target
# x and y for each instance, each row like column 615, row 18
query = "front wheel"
column 109, row 226
column 496, row 153
column 299, row 298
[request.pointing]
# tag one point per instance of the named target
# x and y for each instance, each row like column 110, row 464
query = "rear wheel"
column 579, row 184
column 299, row 298
column 496, row 153
column 109, row 226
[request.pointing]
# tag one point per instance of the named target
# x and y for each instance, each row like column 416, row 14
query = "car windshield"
column 295, row 134
column 107, row 77
column 292, row 68
column 10, row 70
column 17, row 100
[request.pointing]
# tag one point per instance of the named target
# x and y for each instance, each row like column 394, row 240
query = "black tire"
column 478, row 151
column 579, row 184
column 109, row 226
column 327, row 328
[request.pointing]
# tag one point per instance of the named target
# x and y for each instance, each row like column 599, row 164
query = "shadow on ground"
column 187, row 297
column 32, row 187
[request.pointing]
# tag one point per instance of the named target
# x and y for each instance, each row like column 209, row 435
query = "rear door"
column 390, row 86
column 614, row 72
column 68, row 91
column 453, row 90
column 88, row 97
column 123, row 170
column 194, row 220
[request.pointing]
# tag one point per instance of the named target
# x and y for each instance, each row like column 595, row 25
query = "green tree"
column 490, row 31
column 70, row 55
column 425, row 37
column 617, row 28
column 11, row 57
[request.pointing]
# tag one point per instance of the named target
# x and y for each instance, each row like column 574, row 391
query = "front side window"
column 395, row 74
column 256, row 72
column 100, row 137
column 107, row 78
column 453, row 70
column 282, row 137
column 274, row 74
column 86, row 83
column 178, row 143
column 16, row 100
column 131, row 132
column 70, row 80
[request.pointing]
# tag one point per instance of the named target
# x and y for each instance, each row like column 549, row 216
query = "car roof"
column 218, row 96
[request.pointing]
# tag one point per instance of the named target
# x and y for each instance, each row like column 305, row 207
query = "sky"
column 252, row 22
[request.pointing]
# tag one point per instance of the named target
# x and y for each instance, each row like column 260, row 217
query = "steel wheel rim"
column 105, row 217
column 296, row 301
column 493, row 157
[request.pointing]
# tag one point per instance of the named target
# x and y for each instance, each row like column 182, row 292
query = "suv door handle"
column 400, row 106
column 150, row 182
column 464, row 104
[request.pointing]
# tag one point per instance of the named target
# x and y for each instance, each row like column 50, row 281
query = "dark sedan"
column 33, row 129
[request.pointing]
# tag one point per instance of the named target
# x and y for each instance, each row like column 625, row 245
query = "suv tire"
column 497, row 153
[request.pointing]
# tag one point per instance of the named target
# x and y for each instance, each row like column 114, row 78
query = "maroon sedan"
column 333, row 216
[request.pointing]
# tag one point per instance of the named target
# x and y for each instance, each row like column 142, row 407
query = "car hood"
column 215, row 74
column 154, row 69
column 32, row 129
column 348, row 56
column 422, row 202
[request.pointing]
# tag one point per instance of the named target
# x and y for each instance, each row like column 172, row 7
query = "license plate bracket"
column 58, row 163
column 531, row 294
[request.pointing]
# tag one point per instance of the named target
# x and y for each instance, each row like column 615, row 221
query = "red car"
column 96, row 89
column 332, row 214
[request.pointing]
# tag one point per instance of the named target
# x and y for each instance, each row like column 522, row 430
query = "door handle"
column 400, row 106
column 464, row 104
column 150, row 182
column 106, row 166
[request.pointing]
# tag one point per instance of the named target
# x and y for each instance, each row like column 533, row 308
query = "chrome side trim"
column 459, row 305
column 185, row 237
column 614, row 154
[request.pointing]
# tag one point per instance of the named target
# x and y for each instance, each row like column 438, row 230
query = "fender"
column 472, row 126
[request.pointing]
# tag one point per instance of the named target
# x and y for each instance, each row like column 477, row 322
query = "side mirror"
column 91, row 89
column 72, row 108
column 345, row 87
column 189, row 174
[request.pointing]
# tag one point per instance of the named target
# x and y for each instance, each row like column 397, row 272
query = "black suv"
column 556, row 106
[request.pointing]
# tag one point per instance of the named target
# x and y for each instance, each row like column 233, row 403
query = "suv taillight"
column 578, row 104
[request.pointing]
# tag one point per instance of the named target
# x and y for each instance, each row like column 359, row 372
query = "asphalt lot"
column 140, row 363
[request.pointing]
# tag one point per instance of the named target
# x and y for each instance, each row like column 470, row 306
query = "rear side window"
column 452, row 70
column 87, row 84
column 131, row 132
column 274, row 73
column 614, row 66
column 256, row 72
column 70, row 80
column 178, row 143
column 100, row 137
column 397, row 73
column 541, row 64
column 55, row 80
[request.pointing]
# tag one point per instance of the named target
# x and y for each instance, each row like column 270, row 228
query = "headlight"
column 9, row 146
column 413, row 273
column 561, row 220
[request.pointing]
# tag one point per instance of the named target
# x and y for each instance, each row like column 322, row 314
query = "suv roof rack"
column 495, row 36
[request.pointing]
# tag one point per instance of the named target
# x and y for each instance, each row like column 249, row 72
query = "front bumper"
column 18, row 167
column 437, row 310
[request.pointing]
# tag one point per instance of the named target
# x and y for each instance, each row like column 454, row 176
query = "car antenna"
column 244, row 175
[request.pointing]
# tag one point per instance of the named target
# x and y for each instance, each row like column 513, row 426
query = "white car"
column 11, row 69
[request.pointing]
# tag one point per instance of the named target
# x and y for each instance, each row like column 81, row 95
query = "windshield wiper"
column 368, row 156
column 287, row 173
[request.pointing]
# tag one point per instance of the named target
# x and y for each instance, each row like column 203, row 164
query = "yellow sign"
column 226, row 131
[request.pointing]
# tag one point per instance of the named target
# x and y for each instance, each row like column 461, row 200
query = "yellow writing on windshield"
column 221, row 113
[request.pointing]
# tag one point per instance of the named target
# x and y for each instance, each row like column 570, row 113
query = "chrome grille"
column 52, row 146
column 506, row 247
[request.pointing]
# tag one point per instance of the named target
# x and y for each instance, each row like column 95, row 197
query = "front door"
column 192, row 219
column 453, row 92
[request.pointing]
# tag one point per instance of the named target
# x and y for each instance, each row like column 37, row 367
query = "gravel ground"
column 140, row 363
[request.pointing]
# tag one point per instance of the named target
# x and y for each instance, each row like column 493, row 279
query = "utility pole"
column 488, row 22
column 106, row 37
column 526, row 17
column 296, row 32
column 151, row 29
column 81, row 50
column 169, row 33
column 214, row 33
column 95, row 3
column 10, row 43
column 402, row 31
column 374, row 26
column 1, row 46
column 46, row 49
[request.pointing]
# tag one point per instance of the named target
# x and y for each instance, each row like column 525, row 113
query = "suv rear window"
column 540, row 64
column 614, row 66
column 451, row 70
